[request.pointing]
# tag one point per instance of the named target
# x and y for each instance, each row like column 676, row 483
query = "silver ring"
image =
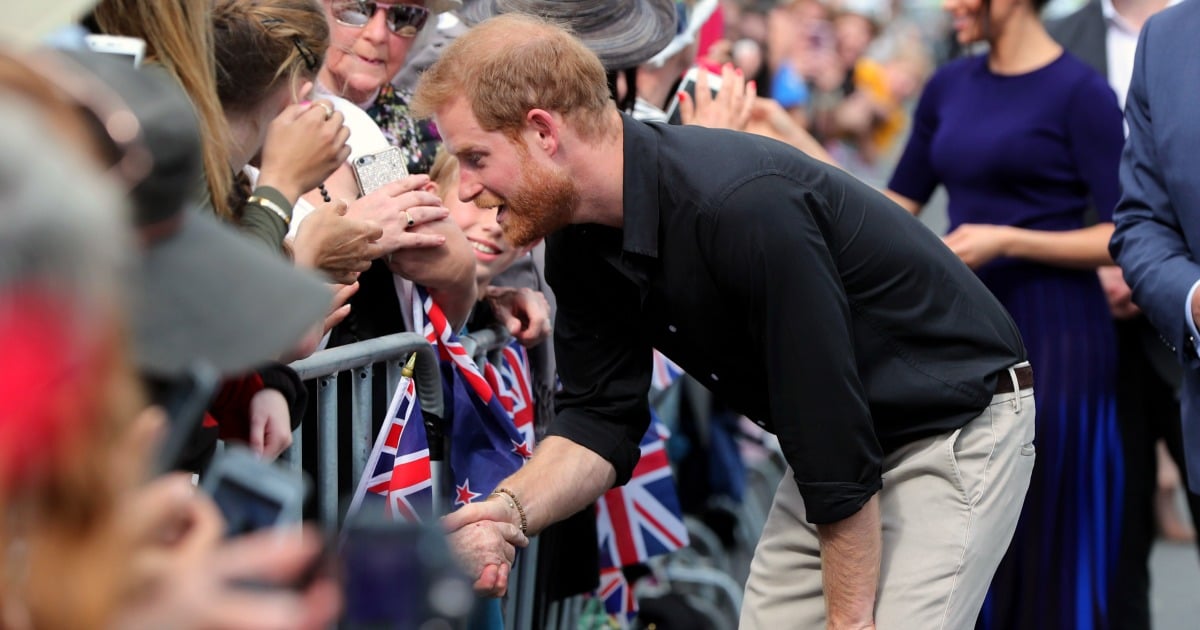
column 327, row 108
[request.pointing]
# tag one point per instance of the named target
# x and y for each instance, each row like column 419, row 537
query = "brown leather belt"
column 1004, row 382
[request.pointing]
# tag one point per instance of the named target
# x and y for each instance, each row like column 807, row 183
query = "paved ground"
column 1175, row 590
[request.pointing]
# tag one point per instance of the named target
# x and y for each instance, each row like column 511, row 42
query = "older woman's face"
column 360, row 60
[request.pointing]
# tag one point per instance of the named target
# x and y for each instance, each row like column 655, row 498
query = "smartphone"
column 129, row 48
column 688, row 85
column 378, row 169
column 253, row 494
column 185, row 401
column 400, row 575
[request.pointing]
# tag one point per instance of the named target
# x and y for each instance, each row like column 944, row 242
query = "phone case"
column 373, row 171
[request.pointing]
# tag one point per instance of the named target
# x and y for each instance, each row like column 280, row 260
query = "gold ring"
column 327, row 108
column 408, row 215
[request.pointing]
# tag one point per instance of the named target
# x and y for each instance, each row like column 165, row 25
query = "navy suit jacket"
column 1157, row 238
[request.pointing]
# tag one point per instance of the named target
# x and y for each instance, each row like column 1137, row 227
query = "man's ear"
column 546, row 127
column 431, row 187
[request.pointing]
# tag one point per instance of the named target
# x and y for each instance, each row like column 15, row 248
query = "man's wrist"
column 515, row 509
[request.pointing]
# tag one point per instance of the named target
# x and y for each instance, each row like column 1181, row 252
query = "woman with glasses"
column 370, row 43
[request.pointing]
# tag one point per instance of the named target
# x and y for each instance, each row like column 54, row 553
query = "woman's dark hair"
column 261, row 44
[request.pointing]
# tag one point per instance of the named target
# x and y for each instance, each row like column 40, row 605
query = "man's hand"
column 1118, row 293
column 484, row 537
column 525, row 313
column 270, row 424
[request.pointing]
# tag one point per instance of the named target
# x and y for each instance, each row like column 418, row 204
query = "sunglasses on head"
column 404, row 20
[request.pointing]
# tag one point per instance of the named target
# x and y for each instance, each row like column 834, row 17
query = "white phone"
column 130, row 48
column 688, row 85
column 379, row 169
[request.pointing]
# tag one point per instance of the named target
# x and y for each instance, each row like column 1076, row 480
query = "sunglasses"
column 404, row 20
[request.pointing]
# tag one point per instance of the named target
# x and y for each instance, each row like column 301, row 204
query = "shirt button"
column 672, row 328
column 713, row 377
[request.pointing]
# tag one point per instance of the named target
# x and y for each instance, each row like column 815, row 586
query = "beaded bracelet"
column 513, row 502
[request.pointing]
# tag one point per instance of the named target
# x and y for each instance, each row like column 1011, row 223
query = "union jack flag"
column 397, row 473
column 485, row 445
column 642, row 519
column 511, row 382
column 617, row 595
column 664, row 372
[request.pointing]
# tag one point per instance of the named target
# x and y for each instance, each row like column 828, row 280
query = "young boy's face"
column 493, row 254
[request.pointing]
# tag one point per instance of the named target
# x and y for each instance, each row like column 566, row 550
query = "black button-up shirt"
column 800, row 296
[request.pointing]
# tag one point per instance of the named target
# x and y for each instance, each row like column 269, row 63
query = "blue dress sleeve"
column 1096, row 135
column 914, row 176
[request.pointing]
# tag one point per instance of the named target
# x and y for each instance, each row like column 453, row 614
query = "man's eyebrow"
column 468, row 148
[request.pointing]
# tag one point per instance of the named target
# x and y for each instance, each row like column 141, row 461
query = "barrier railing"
column 359, row 359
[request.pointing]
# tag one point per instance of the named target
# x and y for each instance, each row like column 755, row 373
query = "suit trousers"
column 949, row 507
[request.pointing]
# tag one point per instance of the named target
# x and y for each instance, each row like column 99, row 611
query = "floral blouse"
column 419, row 139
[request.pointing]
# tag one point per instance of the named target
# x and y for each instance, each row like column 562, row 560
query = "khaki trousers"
column 949, row 506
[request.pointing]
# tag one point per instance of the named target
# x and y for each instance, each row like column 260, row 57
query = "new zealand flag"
column 485, row 445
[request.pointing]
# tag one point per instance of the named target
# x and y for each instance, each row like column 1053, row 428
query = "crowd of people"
column 972, row 422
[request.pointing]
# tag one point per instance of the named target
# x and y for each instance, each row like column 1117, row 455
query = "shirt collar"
column 640, row 194
column 1111, row 15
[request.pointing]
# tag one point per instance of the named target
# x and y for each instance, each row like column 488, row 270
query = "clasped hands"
column 484, row 537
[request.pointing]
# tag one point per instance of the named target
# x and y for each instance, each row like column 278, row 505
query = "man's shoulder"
column 1175, row 27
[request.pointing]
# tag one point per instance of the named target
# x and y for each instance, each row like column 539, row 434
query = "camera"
column 253, row 494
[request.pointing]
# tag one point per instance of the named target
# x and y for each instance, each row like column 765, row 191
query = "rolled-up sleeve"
column 603, row 359
column 767, row 249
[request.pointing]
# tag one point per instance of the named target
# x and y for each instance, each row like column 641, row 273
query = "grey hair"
column 65, row 230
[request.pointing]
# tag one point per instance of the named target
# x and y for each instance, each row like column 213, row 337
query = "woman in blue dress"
column 1026, row 139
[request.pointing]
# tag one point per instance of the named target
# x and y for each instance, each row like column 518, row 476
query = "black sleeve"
column 284, row 379
column 766, row 249
column 604, row 361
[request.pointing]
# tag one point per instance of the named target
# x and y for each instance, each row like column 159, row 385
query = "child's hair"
column 444, row 172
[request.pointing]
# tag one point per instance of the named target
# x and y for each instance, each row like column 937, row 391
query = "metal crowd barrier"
column 360, row 360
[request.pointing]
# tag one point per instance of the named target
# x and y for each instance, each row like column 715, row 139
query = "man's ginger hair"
column 514, row 63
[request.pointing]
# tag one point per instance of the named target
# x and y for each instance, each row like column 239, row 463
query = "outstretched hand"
column 731, row 107
column 525, row 313
column 484, row 539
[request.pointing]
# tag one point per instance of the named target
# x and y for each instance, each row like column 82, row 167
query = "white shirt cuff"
column 1187, row 315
